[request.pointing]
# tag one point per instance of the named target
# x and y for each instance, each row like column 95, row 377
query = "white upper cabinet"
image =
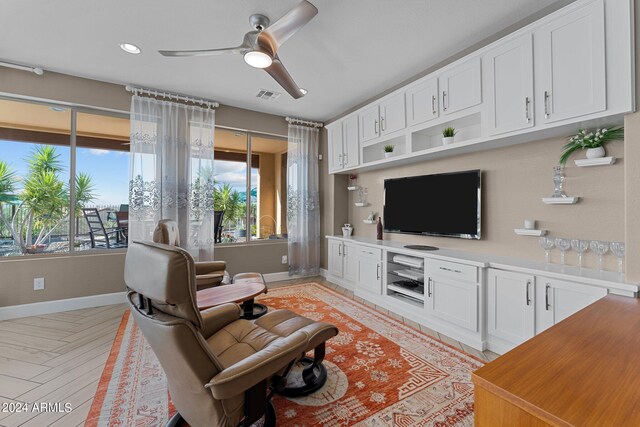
column 369, row 123
column 461, row 86
column 422, row 102
column 336, row 154
column 392, row 114
column 509, row 84
column 350, row 144
column 343, row 144
column 570, row 58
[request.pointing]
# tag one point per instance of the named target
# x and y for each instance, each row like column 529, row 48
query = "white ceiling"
column 351, row 51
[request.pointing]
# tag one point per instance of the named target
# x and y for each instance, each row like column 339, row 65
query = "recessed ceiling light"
column 130, row 48
column 304, row 91
column 57, row 109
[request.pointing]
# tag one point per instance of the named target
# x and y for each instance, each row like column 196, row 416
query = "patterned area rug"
column 381, row 373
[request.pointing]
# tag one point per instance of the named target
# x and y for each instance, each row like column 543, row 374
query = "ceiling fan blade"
column 284, row 79
column 202, row 52
column 280, row 31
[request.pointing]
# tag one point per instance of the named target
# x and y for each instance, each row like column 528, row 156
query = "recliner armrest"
column 246, row 373
column 216, row 318
column 205, row 267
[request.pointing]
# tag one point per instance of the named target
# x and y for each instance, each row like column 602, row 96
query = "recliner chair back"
column 167, row 232
column 162, row 296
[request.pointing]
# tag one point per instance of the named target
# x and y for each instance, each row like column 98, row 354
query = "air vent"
column 268, row 95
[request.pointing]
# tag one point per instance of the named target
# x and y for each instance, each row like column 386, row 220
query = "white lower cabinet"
column 559, row 299
column 350, row 266
column 369, row 270
column 335, row 258
column 510, row 305
column 453, row 301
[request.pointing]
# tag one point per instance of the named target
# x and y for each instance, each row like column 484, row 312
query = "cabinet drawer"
column 371, row 253
column 454, row 270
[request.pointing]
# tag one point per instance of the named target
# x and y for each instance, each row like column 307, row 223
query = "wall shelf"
column 602, row 161
column 529, row 232
column 369, row 221
column 560, row 200
column 353, row 187
column 361, row 205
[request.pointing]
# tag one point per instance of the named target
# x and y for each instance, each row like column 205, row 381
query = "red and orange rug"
column 381, row 373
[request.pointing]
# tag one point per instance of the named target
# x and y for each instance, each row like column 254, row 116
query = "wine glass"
column 563, row 245
column 546, row 243
column 600, row 247
column 580, row 247
column 618, row 250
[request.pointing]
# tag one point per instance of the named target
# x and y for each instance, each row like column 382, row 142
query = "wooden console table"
column 584, row 371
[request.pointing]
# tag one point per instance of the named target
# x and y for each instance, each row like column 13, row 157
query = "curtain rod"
column 35, row 70
column 170, row 96
column 293, row 120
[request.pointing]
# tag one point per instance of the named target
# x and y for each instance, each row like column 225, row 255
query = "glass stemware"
column 563, row 245
column 546, row 243
column 580, row 247
column 618, row 250
column 600, row 248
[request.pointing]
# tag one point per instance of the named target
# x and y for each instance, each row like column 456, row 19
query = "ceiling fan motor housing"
column 259, row 22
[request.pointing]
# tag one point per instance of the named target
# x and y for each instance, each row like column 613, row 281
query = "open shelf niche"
column 467, row 128
column 375, row 152
column 405, row 278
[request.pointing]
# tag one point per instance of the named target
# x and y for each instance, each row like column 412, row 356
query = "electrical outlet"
column 38, row 284
column 285, row 259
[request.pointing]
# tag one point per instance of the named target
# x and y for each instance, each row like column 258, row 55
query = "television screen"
column 446, row 204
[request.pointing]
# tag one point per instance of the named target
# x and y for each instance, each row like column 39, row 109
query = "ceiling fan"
column 260, row 47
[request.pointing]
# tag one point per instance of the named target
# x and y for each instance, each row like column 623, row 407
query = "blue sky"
column 109, row 170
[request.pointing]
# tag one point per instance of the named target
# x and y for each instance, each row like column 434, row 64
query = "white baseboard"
column 46, row 307
column 283, row 275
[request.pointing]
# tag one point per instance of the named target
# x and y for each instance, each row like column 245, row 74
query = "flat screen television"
column 445, row 204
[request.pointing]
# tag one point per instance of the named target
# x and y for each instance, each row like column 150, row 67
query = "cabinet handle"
column 341, row 160
column 344, row 159
column 526, row 109
column 450, row 269
column 375, row 127
column 339, row 250
column 528, row 297
column 429, row 288
column 546, row 104
column 444, row 101
column 433, row 104
column 378, row 271
column 382, row 127
column 546, row 297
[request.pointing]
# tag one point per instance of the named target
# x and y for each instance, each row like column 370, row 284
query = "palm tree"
column 228, row 200
column 44, row 196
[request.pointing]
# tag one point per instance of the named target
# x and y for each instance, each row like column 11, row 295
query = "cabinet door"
column 510, row 86
column 350, row 143
column 350, row 264
column 453, row 301
column 369, row 123
column 510, row 306
column 369, row 275
column 460, row 87
column 336, row 153
column 335, row 258
column 571, row 54
column 561, row 299
column 422, row 102
column 392, row 114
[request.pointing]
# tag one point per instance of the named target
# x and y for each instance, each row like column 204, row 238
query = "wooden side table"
column 239, row 293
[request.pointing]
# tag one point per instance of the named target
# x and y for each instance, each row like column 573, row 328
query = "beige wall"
column 65, row 277
column 514, row 180
column 83, row 275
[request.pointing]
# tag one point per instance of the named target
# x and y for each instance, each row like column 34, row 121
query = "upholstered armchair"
column 208, row 273
column 219, row 367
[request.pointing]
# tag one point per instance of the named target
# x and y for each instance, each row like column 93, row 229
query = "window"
column 36, row 163
column 250, row 185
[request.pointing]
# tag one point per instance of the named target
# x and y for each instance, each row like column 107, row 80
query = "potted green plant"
column 448, row 135
column 388, row 151
column 593, row 142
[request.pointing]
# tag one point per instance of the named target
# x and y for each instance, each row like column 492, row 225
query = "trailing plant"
column 449, row 132
column 388, row 148
column 584, row 140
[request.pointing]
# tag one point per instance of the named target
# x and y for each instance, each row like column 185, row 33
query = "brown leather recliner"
column 208, row 273
column 218, row 366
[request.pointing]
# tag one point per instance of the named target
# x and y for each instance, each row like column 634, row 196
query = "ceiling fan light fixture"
column 258, row 59
column 130, row 48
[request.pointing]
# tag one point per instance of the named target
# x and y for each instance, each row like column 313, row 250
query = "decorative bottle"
column 379, row 229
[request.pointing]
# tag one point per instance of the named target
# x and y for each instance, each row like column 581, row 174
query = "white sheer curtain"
column 303, row 208
column 171, row 172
